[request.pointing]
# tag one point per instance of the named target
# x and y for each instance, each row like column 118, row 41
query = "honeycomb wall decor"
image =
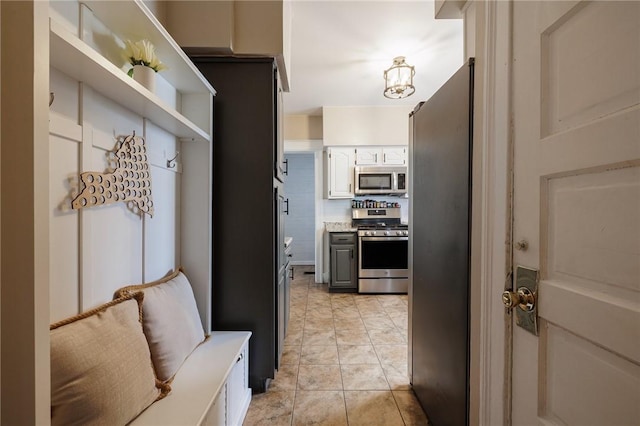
column 127, row 180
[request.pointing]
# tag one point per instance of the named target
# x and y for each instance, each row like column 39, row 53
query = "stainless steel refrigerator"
column 440, row 222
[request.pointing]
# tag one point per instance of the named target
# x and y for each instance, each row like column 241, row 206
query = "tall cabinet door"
column 280, row 279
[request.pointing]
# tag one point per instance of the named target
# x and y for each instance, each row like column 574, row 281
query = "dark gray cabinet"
column 343, row 253
column 283, row 262
column 248, row 240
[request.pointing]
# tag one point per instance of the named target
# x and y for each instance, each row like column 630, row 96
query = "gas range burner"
column 397, row 230
column 382, row 226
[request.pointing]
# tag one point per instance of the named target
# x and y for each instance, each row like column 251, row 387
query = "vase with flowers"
column 142, row 55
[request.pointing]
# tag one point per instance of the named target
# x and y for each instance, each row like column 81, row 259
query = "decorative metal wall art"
column 128, row 179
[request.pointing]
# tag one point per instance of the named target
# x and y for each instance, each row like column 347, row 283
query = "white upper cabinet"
column 381, row 156
column 373, row 125
column 367, row 156
column 394, row 156
column 340, row 167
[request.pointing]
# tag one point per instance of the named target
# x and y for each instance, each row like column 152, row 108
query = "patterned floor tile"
column 357, row 354
column 344, row 362
column 273, row 408
column 410, row 408
column 286, row 378
column 319, row 377
column 319, row 337
column 353, row 337
column 318, row 355
column 386, row 336
column 372, row 408
column 322, row 408
column 290, row 354
column 363, row 377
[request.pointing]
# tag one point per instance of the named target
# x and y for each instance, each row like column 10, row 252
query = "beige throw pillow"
column 171, row 322
column 101, row 371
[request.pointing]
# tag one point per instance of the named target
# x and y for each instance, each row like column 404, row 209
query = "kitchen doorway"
column 300, row 222
column 303, row 188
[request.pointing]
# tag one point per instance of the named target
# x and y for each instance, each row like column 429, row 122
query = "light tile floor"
column 344, row 362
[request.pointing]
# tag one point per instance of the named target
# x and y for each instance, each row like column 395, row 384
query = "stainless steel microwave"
column 381, row 180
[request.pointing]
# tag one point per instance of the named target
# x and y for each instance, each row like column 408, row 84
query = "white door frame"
column 315, row 147
column 491, row 229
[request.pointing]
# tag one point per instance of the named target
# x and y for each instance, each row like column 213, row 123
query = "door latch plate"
column 528, row 319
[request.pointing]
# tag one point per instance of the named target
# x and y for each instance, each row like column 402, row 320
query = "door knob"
column 523, row 298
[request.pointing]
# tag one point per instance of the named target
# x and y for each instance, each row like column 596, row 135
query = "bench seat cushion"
column 199, row 382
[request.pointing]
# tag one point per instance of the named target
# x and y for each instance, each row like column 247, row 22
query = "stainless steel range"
column 383, row 246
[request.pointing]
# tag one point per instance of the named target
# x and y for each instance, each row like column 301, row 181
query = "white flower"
column 142, row 52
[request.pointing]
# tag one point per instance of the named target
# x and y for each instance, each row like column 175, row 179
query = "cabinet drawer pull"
column 240, row 357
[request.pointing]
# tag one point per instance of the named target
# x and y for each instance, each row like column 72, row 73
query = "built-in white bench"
column 211, row 387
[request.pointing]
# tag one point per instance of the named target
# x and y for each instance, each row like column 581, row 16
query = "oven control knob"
column 406, row 232
column 387, row 233
column 367, row 233
column 398, row 232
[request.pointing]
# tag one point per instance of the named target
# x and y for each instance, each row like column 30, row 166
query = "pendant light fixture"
column 398, row 80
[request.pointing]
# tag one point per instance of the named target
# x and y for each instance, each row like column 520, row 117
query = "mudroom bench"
column 210, row 388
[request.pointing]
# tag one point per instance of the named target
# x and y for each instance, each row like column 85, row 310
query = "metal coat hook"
column 52, row 96
column 172, row 162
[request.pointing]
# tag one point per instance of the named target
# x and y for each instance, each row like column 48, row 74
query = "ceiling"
column 340, row 48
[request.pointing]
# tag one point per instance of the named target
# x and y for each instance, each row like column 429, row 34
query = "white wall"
column 365, row 125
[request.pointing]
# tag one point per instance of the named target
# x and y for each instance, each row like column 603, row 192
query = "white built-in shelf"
column 132, row 20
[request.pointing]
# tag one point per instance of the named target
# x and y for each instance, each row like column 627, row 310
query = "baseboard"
column 303, row 262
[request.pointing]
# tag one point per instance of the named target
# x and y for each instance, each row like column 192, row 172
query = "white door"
column 576, row 112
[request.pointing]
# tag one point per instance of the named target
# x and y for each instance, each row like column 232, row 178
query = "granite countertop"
column 339, row 227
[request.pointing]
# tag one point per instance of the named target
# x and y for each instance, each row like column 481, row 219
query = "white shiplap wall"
column 97, row 250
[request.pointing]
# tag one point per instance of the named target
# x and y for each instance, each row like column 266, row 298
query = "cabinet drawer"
column 343, row 238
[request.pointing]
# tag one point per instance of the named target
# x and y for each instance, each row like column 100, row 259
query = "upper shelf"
column 133, row 20
column 79, row 60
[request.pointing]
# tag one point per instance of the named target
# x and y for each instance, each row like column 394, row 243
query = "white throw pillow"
column 170, row 320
